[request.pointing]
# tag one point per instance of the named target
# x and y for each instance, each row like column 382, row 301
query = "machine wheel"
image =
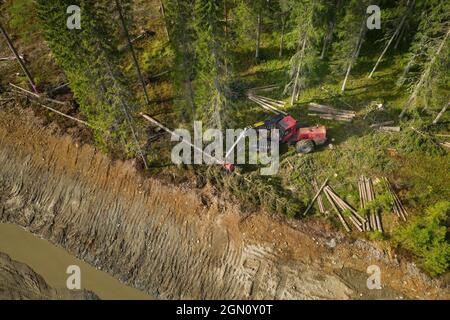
column 305, row 146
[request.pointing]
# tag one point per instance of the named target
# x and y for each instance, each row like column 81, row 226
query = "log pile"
column 319, row 197
column 373, row 220
column 366, row 195
column 269, row 104
column 398, row 207
column 338, row 203
column 330, row 113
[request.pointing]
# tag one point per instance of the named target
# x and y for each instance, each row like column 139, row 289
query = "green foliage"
column 424, row 65
column 427, row 237
column 182, row 36
column 256, row 191
column 212, row 47
column 307, row 17
column 350, row 29
column 90, row 59
column 23, row 18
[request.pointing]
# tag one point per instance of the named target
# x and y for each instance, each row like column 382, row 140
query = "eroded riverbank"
column 166, row 241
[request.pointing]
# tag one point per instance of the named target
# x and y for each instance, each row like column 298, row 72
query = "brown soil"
column 168, row 241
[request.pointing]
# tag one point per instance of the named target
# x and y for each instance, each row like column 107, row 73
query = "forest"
column 182, row 61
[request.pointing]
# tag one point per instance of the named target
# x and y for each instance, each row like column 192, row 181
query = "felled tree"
column 429, row 54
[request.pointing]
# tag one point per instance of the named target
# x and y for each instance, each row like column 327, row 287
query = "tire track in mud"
column 158, row 238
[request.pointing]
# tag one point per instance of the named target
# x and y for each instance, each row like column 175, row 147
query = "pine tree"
column 213, row 68
column 179, row 19
column 90, row 59
column 399, row 23
column 429, row 53
column 333, row 8
column 352, row 31
column 306, row 16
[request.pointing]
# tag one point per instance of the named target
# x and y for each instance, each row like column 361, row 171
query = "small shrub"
column 426, row 237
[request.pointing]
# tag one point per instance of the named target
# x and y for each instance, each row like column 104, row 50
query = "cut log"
column 35, row 95
column 316, row 196
column 399, row 210
column 331, row 117
column 441, row 113
column 19, row 59
column 389, row 129
column 327, row 109
column 319, row 198
column 382, row 124
column 338, row 213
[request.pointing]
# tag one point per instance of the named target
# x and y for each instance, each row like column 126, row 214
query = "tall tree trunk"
column 130, row 46
column 354, row 56
column 392, row 38
column 163, row 14
column 283, row 27
column 258, row 35
column 294, row 97
column 400, row 37
column 226, row 36
column 424, row 76
column 19, row 59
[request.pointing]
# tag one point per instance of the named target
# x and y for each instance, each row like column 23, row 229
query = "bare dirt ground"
column 168, row 241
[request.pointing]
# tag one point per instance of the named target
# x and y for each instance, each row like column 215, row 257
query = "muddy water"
column 51, row 263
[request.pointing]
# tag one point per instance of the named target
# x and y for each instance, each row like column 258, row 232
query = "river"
column 51, row 263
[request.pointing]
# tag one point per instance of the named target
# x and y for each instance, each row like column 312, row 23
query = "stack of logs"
column 269, row 104
column 340, row 206
column 366, row 195
column 398, row 207
column 372, row 221
column 329, row 113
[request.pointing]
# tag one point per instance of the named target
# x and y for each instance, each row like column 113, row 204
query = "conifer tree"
column 90, row 59
column 305, row 37
column 352, row 31
column 429, row 53
column 179, row 20
column 213, row 68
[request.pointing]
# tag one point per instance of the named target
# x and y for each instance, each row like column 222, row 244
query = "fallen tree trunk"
column 441, row 113
column 316, row 196
column 18, row 58
column 338, row 213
